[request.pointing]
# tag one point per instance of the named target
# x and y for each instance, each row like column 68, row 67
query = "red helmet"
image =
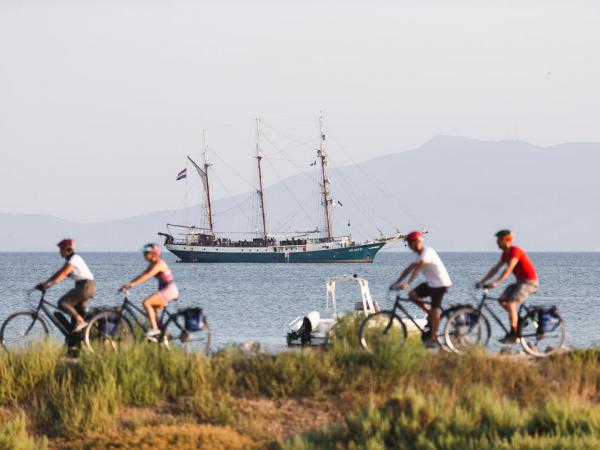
column 413, row 236
column 66, row 243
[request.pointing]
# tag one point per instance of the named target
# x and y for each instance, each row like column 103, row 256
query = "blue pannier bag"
column 468, row 318
column 471, row 319
column 109, row 326
column 194, row 319
column 112, row 325
column 548, row 319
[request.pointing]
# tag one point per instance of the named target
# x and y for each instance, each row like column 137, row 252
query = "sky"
column 100, row 102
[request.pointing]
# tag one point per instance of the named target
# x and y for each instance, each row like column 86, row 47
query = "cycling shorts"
column 436, row 294
column 519, row 292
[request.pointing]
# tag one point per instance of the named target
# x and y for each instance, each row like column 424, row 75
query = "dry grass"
column 181, row 436
column 266, row 398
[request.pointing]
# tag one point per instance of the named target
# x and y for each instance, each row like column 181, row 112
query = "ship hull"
column 364, row 253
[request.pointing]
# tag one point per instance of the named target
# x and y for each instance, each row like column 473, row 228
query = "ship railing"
column 271, row 242
column 224, row 243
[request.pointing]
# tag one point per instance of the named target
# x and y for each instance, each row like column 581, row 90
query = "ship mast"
column 203, row 172
column 261, row 195
column 325, row 185
column 207, row 188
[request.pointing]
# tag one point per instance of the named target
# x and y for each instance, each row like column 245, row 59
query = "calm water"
column 257, row 301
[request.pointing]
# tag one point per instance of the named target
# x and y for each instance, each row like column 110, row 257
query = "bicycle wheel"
column 466, row 327
column 381, row 331
column 441, row 338
column 107, row 329
column 21, row 330
column 174, row 334
column 536, row 342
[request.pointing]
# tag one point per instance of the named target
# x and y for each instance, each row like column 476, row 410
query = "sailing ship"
column 198, row 244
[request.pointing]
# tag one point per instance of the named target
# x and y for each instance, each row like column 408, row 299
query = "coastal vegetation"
column 338, row 397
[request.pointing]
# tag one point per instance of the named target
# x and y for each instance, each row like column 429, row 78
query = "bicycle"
column 23, row 328
column 187, row 328
column 387, row 328
column 540, row 329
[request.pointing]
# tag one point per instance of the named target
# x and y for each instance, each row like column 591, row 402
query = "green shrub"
column 470, row 401
column 210, row 407
column 14, row 436
column 64, row 406
column 285, row 374
column 477, row 418
column 22, row 371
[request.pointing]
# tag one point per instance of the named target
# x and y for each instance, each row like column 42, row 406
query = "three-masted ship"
column 197, row 244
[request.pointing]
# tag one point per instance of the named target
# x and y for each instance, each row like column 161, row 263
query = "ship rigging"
column 205, row 244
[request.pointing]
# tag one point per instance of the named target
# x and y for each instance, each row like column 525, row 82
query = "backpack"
column 469, row 319
column 194, row 319
column 548, row 319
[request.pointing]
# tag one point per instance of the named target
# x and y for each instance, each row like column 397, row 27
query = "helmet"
column 413, row 236
column 151, row 248
column 66, row 243
column 505, row 235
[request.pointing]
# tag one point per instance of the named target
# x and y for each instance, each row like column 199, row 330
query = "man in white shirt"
column 437, row 282
column 85, row 286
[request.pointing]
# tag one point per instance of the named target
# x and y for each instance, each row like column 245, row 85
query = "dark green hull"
column 360, row 253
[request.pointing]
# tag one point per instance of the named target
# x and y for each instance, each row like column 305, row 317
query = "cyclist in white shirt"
column 85, row 286
column 437, row 282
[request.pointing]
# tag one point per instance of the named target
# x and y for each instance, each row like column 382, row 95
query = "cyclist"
column 167, row 290
column 518, row 263
column 437, row 282
column 85, row 286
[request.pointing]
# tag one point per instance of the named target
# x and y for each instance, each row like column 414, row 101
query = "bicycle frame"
column 136, row 313
column 44, row 306
column 398, row 306
column 484, row 306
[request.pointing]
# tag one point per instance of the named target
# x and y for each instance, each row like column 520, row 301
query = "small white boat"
column 315, row 328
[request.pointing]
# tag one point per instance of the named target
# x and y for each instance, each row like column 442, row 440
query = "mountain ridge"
column 463, row 189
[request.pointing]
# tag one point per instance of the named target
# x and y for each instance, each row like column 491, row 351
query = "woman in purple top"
column 167, row 290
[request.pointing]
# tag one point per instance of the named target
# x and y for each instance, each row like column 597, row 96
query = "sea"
column 256, row 302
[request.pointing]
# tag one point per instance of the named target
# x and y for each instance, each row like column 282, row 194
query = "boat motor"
column 301, row 327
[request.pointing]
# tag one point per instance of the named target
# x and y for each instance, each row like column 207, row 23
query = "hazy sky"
column 101, row 101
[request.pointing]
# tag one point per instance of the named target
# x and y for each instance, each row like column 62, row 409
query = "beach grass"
column 14, row 435
column 407, row 398
column 474, row 418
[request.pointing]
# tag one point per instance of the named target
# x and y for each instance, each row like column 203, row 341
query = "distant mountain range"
column 462, row 189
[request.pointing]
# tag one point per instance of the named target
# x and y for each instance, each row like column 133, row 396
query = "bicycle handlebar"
column 121, row 295
column 393, row 293
column 31, row 291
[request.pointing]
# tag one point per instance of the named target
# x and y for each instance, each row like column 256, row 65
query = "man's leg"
column 435, row 315
column 508, row 301
column 416, row 295
column 513, row 318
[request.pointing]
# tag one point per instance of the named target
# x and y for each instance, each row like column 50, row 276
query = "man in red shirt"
column 518, row 263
